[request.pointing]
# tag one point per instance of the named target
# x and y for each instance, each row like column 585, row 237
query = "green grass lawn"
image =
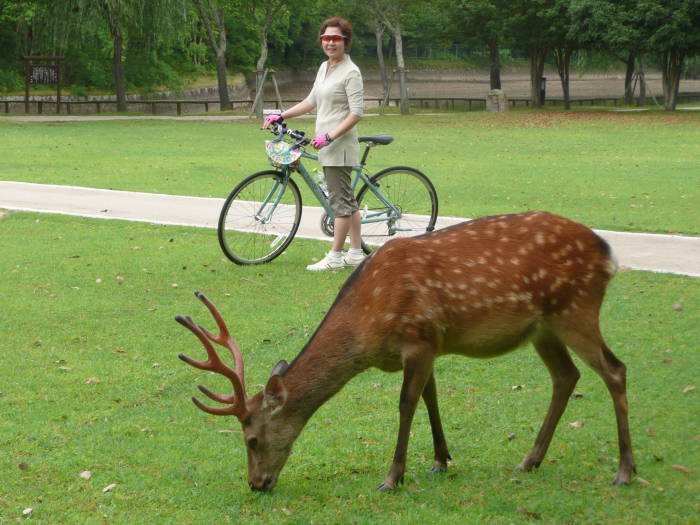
column 623, row 171
column 90, row 381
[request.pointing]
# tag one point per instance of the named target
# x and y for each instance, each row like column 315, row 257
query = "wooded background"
column 122, row 46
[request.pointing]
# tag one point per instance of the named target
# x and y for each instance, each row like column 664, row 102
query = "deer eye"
column 252, row 443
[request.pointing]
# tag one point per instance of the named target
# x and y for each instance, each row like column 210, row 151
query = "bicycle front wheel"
column 413, row 197
column 260, row 218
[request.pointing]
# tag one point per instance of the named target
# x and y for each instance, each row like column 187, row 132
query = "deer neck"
column 324, row 366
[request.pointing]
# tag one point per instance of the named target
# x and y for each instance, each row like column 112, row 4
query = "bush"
column 10, row 81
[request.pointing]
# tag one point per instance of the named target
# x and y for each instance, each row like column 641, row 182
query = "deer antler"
column 236, row 401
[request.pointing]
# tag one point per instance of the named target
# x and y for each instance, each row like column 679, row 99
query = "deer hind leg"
column 442, row 455
column 417, row 370
column 585, row 339
column 564, row 377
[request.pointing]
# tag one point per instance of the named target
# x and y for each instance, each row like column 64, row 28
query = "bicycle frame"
column 390, row 213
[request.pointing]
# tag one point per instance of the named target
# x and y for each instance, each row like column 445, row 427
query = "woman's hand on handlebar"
column 272, row 119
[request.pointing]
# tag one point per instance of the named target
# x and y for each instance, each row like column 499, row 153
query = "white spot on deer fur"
column 542, row 273
column 377, row 291
column 454, row 259
column 477, row 304
column 411, row 287
column 581, row 247
column 456, row 270
column 498, row 299
column 389, row 317
column 478, row 279
column 526, row 280
column 481, row 260
column 539, row 238
column 499, row 261
column 462, row 286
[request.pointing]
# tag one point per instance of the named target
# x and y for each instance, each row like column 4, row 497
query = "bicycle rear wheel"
column 260, row 218
column 407, row 189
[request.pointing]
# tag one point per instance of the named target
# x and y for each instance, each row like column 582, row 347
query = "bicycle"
column 262, row 213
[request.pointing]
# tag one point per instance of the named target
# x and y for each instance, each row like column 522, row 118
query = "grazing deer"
column 479, row 289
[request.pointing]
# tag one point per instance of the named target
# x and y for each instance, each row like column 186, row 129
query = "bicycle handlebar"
column 280, row 129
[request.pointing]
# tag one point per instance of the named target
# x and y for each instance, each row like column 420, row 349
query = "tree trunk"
column 495, row 63
column 642, row 101
column 219, row 48
column 118, row 50
column 378, row 35
column 537, row 56
column 671, row 76
column 221, row 75
column 260, row 73
column 563, row 59
column 403, row 87
column 629, row 76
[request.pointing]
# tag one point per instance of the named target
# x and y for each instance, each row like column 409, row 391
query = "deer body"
column 478, row 289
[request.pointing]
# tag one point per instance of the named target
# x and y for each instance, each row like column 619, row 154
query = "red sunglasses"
column 332, row 38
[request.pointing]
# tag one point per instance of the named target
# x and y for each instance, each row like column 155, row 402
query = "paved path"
column 659, row 253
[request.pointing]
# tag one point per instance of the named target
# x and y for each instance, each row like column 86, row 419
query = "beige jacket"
column 337, row 91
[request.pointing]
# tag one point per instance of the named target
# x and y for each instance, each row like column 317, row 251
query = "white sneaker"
column 329, row 262
column 353, row 259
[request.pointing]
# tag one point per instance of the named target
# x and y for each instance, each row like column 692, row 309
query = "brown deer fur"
column 479, row 289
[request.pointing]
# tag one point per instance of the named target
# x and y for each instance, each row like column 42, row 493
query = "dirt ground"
column 516, row 84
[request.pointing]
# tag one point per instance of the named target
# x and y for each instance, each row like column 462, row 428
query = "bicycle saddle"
column 382, row 138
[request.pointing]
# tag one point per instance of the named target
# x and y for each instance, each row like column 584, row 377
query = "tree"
column 527, row 27
column 212, row 14
column 615, row 27
column 481, row 22
column 265, row 14
column 390, row 12
column 562, row 44
column 672, row 26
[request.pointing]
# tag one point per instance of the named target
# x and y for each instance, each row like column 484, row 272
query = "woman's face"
column 334, row 48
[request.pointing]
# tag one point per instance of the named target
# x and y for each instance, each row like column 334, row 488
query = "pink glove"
column 320, row 141
column 271, row 119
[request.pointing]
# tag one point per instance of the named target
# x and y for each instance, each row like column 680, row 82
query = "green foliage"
column 10, row 81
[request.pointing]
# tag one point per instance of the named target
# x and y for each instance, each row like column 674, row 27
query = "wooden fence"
column 166, row 107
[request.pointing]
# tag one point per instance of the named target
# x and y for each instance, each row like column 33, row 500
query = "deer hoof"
column 385, row 487
column 438, row 468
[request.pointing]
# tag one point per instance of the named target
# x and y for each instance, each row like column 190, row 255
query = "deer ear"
column 275, row 393
column 280, row 368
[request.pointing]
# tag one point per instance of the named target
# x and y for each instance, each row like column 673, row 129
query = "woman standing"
column 337, row 96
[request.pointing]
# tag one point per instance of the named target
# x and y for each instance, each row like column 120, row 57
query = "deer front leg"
column 564, row 377
column 442, row 455
column 416, row 372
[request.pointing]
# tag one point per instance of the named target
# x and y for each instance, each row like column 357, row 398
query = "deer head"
column 268, row 440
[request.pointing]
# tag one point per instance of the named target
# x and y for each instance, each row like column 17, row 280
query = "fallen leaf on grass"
column 86, row 474
column 682, row 468
column 229, row 431
column 689, row 388
column 92, row 380
column 677, row 307
column 27, row 511
column 23, row 466
column 577, row 395
column 64, row 368
column 511, row 437
column 576, row 424
column 642, row 481
column 287, row 511
column 109, row 487
column 369, row 442
column 529, row 513
column 517, row 387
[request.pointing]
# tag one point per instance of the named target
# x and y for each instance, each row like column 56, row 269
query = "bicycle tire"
column 243, row 236
column 408, row 189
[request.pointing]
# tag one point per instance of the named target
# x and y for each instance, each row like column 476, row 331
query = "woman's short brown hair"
column 344, row 26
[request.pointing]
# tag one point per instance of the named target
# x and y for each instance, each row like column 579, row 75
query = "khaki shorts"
column 342, row 199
